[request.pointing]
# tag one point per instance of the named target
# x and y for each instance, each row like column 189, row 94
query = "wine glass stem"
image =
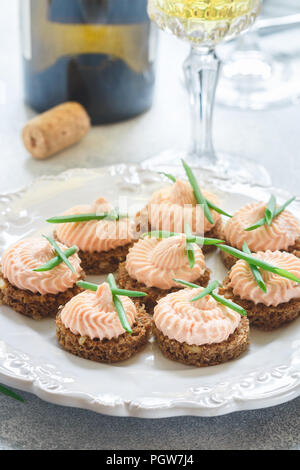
column 201, row 70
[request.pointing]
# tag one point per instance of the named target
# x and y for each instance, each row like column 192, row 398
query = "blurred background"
column 266, row 131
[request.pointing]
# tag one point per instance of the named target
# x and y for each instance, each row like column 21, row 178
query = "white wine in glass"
column 204, row 24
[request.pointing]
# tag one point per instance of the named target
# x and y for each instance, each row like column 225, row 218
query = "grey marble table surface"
column 270, row 137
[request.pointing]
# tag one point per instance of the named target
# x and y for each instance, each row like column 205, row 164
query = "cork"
column 56, row 129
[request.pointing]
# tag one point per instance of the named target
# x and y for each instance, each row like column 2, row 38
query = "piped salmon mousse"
column 102, row 235
column 199, row 332
column 90, row 325
column 172, row 207
column 250, row 225
column 275, row 299
column 152, row 264
column 35, row 281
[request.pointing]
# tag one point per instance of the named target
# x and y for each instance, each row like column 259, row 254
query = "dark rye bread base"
column 35, row 306
column 230, row 260
column 260, row 316
column 206, row 354
column 104, row 262
column 108, row 350
column 154, row 294
column 143, row 226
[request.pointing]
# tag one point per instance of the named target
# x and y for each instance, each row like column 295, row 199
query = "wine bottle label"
column 98, row 11
column 26, row 44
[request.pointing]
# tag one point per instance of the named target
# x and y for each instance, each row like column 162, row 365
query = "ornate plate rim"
column 19, row 370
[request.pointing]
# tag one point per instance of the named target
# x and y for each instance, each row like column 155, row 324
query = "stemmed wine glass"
column 204, row 24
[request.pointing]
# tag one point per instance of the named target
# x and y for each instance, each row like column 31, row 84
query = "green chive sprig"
column 210, row 291
column 270, row 209
column 168, row 175
column 258, row 263
column 64, row 219
column 255, row 271
column 118, row 304
column 197, row 240
column 189, row 245
column 52, row 263
column 116, row 293
column 197, row 191
column 270, row 214
column 228, row 303
column 60, row 253
column 207, row 205
column 190, row 239
column 11, row 394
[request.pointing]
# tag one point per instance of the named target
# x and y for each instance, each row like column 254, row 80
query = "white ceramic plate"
column 148, row 385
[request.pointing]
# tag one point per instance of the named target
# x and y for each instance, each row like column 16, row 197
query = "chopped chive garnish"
column 64, row 219
column 168, row 175
column 118, row 304
column 270, row 210
column 60, row 253
column 128, row 293
column 263, row 221
column 189, row 245
column 197, row 191
column 160, row 234
column 257, row 262
column 257, row 224
column 197, row 240
column 116, row 292
column 207, row 241
column 227, row 303
column 87, row 285
column 190, row 237
column 255, row 270
column 186, row 283
column 57, row 260
column 208, row 290
column 199, row 196
column 190, row 254
column 217, row 209
column 11, row 394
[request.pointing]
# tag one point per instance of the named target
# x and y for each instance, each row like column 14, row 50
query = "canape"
column 171, row 207
column 153, row 263
column 274, row 303
column 101, row 234
column 184, row 202
column 38, row 294
column 201, row 332
column 90, row 325
column 249, row 224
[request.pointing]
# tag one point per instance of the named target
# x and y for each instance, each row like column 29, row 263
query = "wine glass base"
column 226, row 166
column 257, row 80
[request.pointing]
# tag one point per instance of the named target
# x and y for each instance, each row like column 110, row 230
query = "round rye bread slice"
column 107, row 350
column 34, row 305
column 206, row 354
column 261, row 316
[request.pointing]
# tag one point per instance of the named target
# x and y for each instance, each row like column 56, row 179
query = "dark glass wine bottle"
column 100, row 53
